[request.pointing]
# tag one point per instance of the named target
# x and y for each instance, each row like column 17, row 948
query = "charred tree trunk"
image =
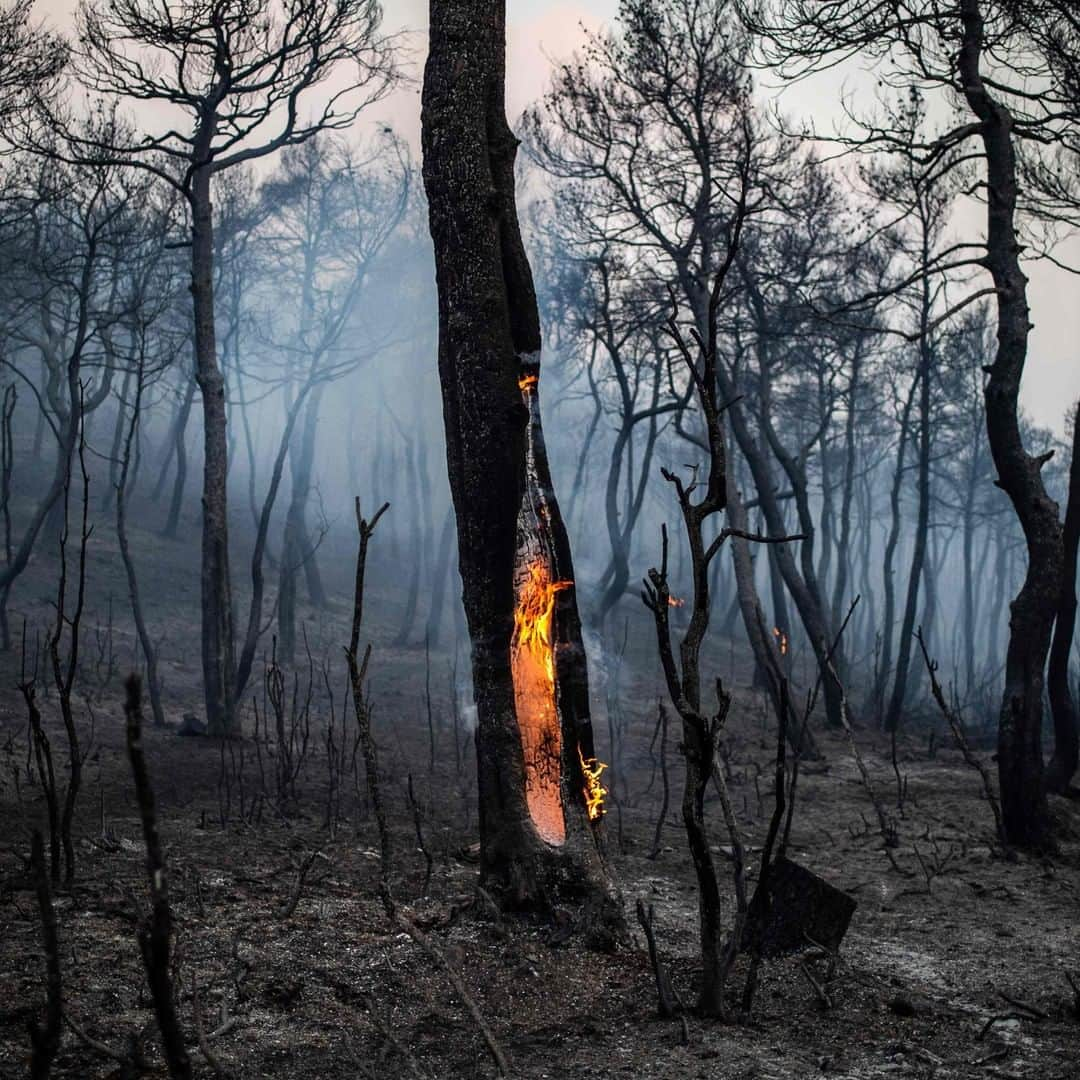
column 489, row 351
column 216, row 591
column 843, row 550
column 806, row 599
column 254, row 623
column 415, row 560
column 440, row 579
column 1003, row 565
column 55, row 495
column 21, row 556
column 117, row 442
column 1066, row 759
column 297, row 549
column 1020, row 764
column 180, row 449
column 781, row 616
column 145, row 641
column 866, row 563
column 969, row 626
column 891, row 544
column 922, row 524
column 768, row 648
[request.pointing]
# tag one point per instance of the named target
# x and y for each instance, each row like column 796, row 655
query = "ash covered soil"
column 938, row 942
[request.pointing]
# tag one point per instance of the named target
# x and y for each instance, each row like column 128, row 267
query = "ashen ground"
column 332, row 990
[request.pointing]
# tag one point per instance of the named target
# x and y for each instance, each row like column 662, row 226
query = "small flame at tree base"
column 594, row 790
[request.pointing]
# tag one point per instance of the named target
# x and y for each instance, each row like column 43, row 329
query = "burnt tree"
column 1066, row 757
column 539, row 789
column 984, row 55
column 242, row 74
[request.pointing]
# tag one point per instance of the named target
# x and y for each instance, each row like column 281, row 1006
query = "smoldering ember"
column 539, row 539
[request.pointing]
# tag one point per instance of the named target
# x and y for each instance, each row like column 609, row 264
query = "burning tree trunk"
column 539, row 788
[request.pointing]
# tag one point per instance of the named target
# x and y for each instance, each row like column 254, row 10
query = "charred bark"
column 765, row 646
column 440, row 579
column 1066, row 757
column 298, row 549
column 489, row 342
column 892, row 542
column 179, row 447
column 922, row 524
column 1020, row 764
column 145, row 642
column 216, row 591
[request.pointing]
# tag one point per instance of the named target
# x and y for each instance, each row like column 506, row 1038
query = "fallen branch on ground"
column 436, row 954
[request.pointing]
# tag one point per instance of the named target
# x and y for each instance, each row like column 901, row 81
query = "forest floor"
column 937, row 945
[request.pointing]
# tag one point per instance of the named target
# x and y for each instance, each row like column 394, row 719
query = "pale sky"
column 540, row 30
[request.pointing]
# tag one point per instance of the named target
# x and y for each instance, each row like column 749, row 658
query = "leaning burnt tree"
column 539, row 787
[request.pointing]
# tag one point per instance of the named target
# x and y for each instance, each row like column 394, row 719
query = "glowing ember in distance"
column 676, row 601
column 781, row 640
column 527, row 382
column 594, row 790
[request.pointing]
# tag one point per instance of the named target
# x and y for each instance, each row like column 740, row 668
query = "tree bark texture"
column 1020, row 765
column 216, row 593
column 489, row 347
column 1066, row 757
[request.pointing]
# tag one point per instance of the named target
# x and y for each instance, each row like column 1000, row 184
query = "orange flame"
column 533, row 662
column 781, row 640
column 676, row 601
column 594, row 790
column 532, row 619
column 527, row 382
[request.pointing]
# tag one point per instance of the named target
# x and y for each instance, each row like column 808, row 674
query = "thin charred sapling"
column 661, row 818
column 886, row 825
column 761, row 902
column 45, row 771
column 770, row 649
column 414, row 805
column 956, row 726
column 1063, row 708
column 668, row 1003
column 357, row 676
column 811, row 701
column 155, row 935
column 146, row 643
column 700, row 500
column 65, row 667
column 45, row 1040
column 7, row 465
